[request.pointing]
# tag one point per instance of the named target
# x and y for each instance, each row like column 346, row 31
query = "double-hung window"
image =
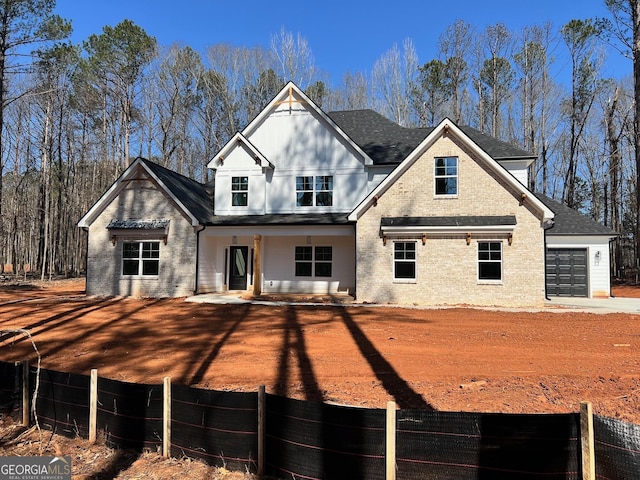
column 314, row 191
column 141, row 258
column 446, row 176
column 490, row 261
column 323, row 258
column 239, row 191
column 404, row 261
column 313, row 261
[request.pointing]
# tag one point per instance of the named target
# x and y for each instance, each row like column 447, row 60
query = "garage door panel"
column 567, row 272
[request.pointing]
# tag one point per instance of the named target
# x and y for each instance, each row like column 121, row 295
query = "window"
column 324, row 191
column 314, row 191
column 239, row 191
column 446, row 176
column 323, row 261
column 313, row 262
column 404, row 260
column 304, row 261
column 140, row 258
column 490, row 261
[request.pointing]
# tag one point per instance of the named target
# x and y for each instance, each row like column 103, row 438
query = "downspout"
column 611, row 273
column 195, row 291
column 86, row 259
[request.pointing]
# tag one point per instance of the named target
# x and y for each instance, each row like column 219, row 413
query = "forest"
column 73, row 116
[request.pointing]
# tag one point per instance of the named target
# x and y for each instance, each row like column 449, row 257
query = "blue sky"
column 343, row 35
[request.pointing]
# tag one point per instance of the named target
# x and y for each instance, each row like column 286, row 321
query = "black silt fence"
column 130, row 414
column 478, row 446
column 617, row 448
column 319, row 441
column 220, row 428
column 62, row 402
column 10, row 386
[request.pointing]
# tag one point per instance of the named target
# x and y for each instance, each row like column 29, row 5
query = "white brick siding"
column 446, row 265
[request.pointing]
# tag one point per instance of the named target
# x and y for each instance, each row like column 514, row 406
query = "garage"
column 566, row 272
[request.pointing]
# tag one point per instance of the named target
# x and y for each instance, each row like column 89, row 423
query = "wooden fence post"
column 93, row 406
column 26, row 406
column 587, row 441
column 391, row 441
column 166, row 419
column 261, row 429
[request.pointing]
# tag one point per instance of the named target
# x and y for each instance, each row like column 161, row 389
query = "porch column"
column 257, row 249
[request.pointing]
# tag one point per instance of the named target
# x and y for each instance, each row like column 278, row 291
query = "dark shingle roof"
column 386, row 142
column 283, row 219
column 457, row 221
column 193, row 195
column 383, row 140
column 138, row 224
column 568, row 221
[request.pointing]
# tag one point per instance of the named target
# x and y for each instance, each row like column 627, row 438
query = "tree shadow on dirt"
column 404, row 396
column 293, row 343
column 198, row 376
column 67, row 316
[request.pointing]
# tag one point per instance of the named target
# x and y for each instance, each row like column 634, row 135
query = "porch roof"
column 454, row 221
column 282, row 219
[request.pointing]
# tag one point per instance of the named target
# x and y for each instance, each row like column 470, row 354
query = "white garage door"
column 566, row 272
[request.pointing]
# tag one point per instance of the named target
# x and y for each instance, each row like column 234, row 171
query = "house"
column 346, row 202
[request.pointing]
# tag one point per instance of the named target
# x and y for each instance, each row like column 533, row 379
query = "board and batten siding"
column 141, row 200
column 598, row 266
column 300, row 142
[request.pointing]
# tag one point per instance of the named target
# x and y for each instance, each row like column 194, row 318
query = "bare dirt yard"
column 454, row 359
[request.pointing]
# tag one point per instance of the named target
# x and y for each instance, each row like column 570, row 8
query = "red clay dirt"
column 454, row 359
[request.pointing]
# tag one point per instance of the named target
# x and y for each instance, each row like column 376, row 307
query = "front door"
column 238, row 269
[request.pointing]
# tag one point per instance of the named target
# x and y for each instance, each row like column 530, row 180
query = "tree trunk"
column 635, row 13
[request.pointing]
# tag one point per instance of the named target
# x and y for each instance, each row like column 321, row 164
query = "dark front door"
column 238, row 270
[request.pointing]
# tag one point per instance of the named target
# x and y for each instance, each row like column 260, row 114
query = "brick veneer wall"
column 446, row 265
column 142, row 200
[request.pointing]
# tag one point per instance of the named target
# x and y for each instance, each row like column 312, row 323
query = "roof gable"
column 190, row 196
column 291, row 98
column 239, row 140
column 448, row 128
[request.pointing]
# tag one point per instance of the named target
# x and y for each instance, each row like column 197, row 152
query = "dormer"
column 240, row 178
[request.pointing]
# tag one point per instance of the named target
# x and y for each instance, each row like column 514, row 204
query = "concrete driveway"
column 596, row 305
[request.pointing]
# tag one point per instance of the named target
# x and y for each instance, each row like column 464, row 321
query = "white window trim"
column 488, row 281
column 415, row 261
column 313, row 261
column 140, row 259
column 456, row 176
column 239, row 191
column 314, row 191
